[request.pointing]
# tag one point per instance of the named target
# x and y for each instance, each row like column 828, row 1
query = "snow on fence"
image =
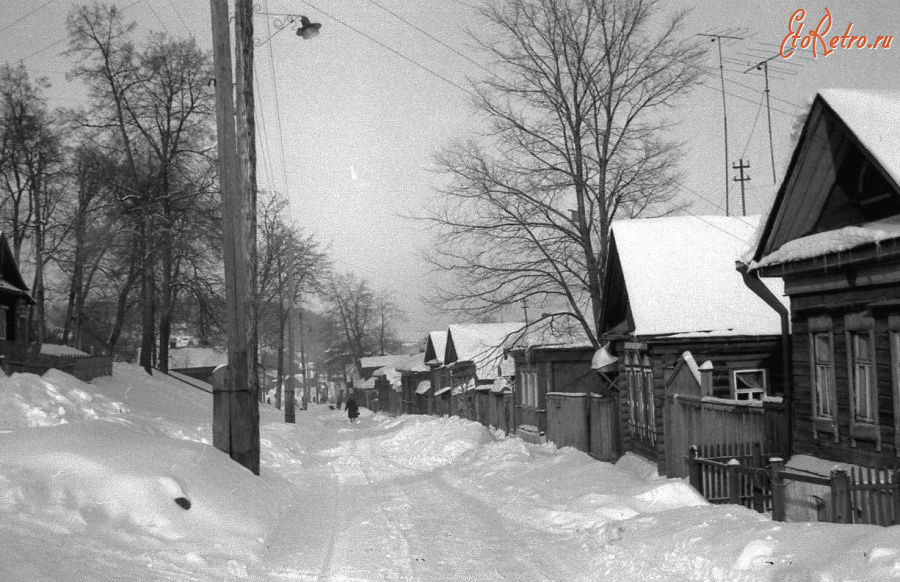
column 26, row 358
column 728, row 474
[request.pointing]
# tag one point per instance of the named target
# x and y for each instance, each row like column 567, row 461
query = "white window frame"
column 750, row 394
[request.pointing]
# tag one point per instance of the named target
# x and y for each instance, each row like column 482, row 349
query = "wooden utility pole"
column 740, row 168
column 235, row 409
column 289, row 396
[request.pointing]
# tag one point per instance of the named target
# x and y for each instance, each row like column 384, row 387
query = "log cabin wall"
column 843, row 430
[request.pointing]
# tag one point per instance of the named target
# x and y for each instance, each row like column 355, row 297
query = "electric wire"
column 391, row 49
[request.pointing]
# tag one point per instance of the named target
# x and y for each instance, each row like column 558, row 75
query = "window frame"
column 736, row 392
column 816, row 327
column 856, row 326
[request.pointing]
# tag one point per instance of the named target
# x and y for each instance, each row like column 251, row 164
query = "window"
column 750, row 384
column 529, row 392
column 824, row 371
column 4, row 314
column 641, row 407
column 861, row 380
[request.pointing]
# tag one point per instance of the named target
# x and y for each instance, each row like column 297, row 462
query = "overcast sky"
column 348, row 121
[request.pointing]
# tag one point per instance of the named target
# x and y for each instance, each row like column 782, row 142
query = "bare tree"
column 361, row 319
column 29, row 166
column 576, row 114
column 155, row 109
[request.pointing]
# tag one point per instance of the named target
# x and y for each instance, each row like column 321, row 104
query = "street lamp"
column 308, row 29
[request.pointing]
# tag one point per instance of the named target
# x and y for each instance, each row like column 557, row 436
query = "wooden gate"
column 567, row 419
column 604, row 425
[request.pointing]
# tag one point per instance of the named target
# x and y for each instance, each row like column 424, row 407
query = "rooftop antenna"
column 763, row 65
column 717, row 38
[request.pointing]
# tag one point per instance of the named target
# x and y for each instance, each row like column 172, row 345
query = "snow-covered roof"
column 376, row 362
column 556, row 332
column 195, row 357
column 60, row 350
column 832, row 241
column 874, row 118
column 680, row 276
column 414, row 363
column 481, row 344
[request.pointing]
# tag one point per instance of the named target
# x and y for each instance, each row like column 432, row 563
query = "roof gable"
column 481, row 344
column 435, row 347
column 843, row 177
column 677, row 276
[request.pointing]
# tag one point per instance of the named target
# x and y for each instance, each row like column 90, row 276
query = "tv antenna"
column 763, row 65
column 717, row 38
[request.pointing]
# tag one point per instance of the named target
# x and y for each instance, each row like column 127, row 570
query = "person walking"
column 352, row 408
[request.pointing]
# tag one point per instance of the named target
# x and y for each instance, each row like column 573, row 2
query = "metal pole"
column 769, row 115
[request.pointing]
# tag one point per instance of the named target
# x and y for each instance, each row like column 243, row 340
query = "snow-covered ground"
column 116, row 480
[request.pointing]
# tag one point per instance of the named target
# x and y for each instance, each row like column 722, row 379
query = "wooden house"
column 833, row 237
column 553, row 355
column 372, row 386
column 414, row 375
column 435, row 399
column 474, row 356
column 15, row 300
column 672, row 286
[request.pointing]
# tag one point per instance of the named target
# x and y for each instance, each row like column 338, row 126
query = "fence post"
column 841, row 510
column 695, row 476
column 734, row 482
column 776, row 465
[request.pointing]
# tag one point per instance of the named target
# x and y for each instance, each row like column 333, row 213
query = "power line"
column 429, row 35
column 277, row 114
column 753, row 128
column 158, row 19
column 21, row 18
column 393, row 50
column 178, row 14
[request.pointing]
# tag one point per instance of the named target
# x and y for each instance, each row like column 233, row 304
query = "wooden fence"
column 732, row 473
column 729, row 474
column 693, row 420
column 25, row 358
column 567, row 419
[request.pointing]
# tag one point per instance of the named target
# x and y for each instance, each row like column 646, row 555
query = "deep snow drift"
column 116, row 480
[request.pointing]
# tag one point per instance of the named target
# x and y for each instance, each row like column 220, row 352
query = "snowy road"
column 359, row 523
column 90, row 475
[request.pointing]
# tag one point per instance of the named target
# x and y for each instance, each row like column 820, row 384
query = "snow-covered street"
column 90, row 475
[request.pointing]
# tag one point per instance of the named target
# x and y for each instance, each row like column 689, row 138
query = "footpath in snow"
column 117, row 480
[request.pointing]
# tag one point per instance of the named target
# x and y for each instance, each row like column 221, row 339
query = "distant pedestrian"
column 340, row 399
column 352, row 409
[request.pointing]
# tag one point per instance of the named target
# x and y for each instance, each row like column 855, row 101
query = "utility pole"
column 290, row 414
column 303, row 361
column 235, row 407
column 717, row 38
column 740, row 168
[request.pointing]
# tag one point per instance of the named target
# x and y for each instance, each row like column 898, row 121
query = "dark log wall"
column 809, row 437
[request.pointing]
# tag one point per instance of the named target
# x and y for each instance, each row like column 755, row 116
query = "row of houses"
column 781, row 331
